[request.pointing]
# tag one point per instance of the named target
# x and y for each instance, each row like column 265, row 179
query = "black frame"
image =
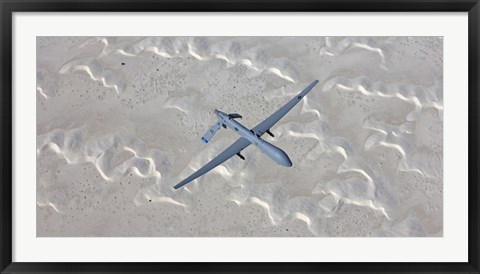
column 7, row 7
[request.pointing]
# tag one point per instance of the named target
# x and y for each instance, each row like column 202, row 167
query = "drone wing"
column 261, row 128
column 222, row 157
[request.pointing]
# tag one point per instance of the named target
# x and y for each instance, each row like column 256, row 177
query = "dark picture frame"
column 8, row 7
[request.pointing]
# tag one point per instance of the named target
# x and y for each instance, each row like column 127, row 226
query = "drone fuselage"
column 275, row 153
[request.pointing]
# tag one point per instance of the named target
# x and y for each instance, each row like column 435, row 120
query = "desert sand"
column 119, row 121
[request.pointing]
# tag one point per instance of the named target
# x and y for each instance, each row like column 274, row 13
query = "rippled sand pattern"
column 119, row 121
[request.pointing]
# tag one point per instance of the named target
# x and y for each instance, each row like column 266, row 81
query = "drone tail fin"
column 211, row 131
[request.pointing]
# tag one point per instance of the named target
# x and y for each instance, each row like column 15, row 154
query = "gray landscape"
column 120, row 121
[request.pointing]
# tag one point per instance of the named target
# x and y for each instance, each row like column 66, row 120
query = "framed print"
column 202, row 136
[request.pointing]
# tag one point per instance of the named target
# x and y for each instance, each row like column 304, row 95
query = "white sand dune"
column 119, row 121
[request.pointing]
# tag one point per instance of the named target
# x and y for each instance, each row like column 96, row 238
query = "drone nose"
column 276, row 154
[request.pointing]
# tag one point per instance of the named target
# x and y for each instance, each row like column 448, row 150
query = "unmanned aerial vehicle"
column 247, row 137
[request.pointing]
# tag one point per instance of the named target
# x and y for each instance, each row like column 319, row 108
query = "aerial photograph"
column 255, row 136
